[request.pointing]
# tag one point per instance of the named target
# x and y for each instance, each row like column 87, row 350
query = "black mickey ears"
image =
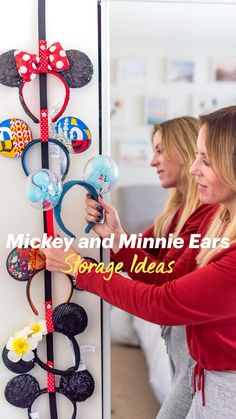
column 9, row 75
column 81, row 69
column 19, row 367
column 78, row 386
column 70, row 318
column 22, row 390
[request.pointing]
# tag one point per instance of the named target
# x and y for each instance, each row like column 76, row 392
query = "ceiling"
column 137, row 22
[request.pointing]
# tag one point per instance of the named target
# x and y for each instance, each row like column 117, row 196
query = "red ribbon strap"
column 48, row 315
column 50, row 379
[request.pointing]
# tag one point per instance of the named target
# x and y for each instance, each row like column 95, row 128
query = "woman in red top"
column 203, row 300
column 174, row 148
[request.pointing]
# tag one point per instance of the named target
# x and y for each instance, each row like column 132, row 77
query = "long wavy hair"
column 220, row 136
column 181, row 134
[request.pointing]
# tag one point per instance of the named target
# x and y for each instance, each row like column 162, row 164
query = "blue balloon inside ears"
column 34, row 194
column 43, row 189
column 102, row 173
column 41, row 178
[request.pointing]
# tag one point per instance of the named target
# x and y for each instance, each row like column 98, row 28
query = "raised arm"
column 184, row 257
column 202, row 296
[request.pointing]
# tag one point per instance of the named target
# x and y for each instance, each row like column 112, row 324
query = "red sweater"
column 191, row 226
column 204, row 300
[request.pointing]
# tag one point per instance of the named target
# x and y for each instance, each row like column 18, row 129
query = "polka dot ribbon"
column 52, row 59
column 50, row 329
column 50, row 379
column 48, row 316
column 44, row 125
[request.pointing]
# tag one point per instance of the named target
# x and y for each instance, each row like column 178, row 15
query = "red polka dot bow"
column 29, row 65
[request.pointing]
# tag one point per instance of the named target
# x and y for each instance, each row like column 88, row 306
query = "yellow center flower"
column 20, row 346
column 36, row 327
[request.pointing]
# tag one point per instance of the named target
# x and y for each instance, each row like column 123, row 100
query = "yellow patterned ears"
column 14, row 137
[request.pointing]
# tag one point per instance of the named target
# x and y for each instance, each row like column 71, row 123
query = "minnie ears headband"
column 72, row 67
column 69, row 319
column 23, row 390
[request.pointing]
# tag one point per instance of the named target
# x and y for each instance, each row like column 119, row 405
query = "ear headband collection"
column 72, row 67
column 70, row 134
column 44, row 190
column 100, row 176
column 20, row 356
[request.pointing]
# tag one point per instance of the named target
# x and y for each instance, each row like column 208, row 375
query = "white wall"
column 155, row 33
column 182, row 97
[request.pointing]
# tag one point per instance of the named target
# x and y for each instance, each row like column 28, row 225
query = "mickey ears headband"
column 72, row 67
column 23, row 264
column 70, row 319
column 23, row 390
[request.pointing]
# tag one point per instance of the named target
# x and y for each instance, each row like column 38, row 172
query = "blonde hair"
column 181, row 134
column 220, row 135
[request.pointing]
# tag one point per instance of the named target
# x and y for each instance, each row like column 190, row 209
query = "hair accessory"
column 23, row 264
column 14, row 137
column 66, row 187
column 102, row 173
column 71, row 318
column 57, row 371
column 23, row 390
column 18, row 67
column 29, row 65
column 78, row 385
column 25, row 366
column 17, row 367
column 52, row 142
column 43, row 189
column 20, row 353
column 73, row 133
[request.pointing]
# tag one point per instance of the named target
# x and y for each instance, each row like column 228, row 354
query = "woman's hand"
column 94, row 213
column 59, row 260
